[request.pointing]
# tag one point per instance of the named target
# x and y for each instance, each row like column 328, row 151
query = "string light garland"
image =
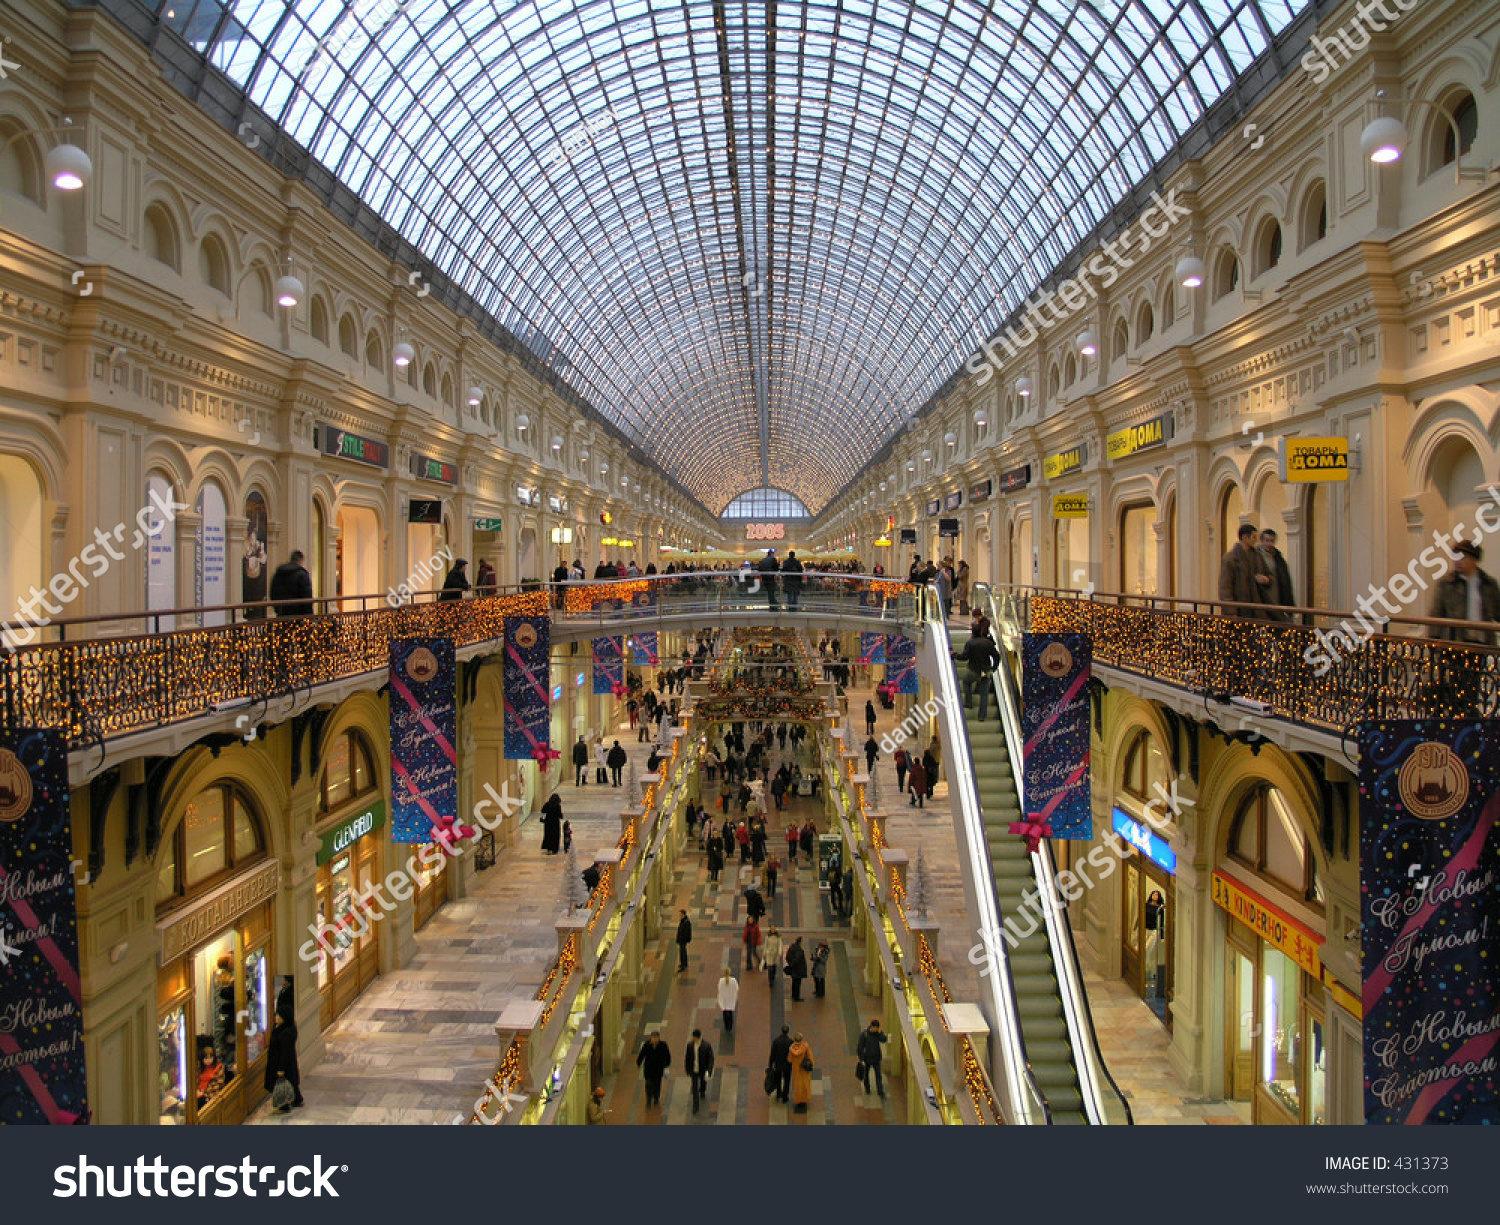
column 585, row 597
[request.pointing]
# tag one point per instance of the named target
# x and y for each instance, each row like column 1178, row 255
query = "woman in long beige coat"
column 801, row 1076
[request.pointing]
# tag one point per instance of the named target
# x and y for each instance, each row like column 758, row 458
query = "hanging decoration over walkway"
column 609, row 665
column 528, row 700
column 901, row 663
column 1055, row 671
column 424, row 754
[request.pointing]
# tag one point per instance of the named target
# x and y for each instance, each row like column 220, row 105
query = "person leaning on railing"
column 1468, row 594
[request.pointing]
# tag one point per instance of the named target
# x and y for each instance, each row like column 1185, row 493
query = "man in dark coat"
column 1467, row 594
column 281, row 1058
column 781, row 1061
column 1238, row 589
column 796, row 967
column 457, row 581
column 980, row 657
column 1275, row 577
column 869, row 717
column 552, row 816
column 791, row 579
column 769, row 568
column 698, row 1063
column 869, row 1052
column 684, row 938
column 653, row 1061
column 616, row 762
column 291, row 588
column 580, row 762
column 872, row 751
column 755, row 905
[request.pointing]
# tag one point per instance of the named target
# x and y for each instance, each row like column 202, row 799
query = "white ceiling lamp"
column 583, row 456
column 926, row 455
column 557, row 443
column 603, row 469
column 289, row 291
column 910, row 467
column 1088, row 343
column 624, row 482
column 1191, row 272
column 403, row 355
column 476, row 396
column 950, row 438
column 1023, row 387
column 68, row 166
column 1383, row 140
column 882, row 486
column 981, row 418
column 523, row 422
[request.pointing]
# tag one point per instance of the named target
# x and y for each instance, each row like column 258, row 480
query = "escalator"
column 1045, row 1049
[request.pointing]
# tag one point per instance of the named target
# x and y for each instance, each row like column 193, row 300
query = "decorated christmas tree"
column 634, row 792
column 919, row 890
column 574, row 892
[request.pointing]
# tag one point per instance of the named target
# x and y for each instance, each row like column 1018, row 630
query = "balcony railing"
column 1322, row 669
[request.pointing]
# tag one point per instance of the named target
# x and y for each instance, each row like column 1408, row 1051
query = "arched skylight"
column 760, row 242
column 766, row 504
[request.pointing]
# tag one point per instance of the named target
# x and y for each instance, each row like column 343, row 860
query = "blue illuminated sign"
column 557, row 693
column 579, row 679
column 1142, row 839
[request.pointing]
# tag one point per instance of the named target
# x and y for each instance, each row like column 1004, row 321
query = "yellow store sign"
column 1070, row 506
column 1064, row 462
column 1314, row 459
column 1271, row 924
column 1149, row 434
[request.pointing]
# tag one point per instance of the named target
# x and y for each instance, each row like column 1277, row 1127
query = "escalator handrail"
column 1059, row 923
column 936, row 624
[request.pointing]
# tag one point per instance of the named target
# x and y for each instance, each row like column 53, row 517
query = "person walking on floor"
column 281, row 1059
column 552, row 816
column 802, row 1069
column 792, row 836
column 742, row 836
column 580, row 762
column 835, row 886
column 684, row 938
column 616, row 762
column 291, row 590
column 698, row 1063
column 729, row 998
column 772, row 954
column 654, row 1060
column 773, row 866
column 980, row 659
column 715, row 860
column 1238, row 589
column 849, row 892
column 901, row 764
column 596, row 1107
column 820, row 969
column 796, row 967
column 872, row 752
column 931, row 761
column 755, row 905
column 869, row 1053
column 753, row 939
column 917, row 784
column 601, row 763
column 457, row 581
column 869, row 717
column 781, row 1063
column 567, row 837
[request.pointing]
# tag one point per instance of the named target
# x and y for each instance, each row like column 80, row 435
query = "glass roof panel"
column 756, row 274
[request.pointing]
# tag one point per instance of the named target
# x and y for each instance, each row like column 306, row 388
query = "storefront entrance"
column 1145, row 934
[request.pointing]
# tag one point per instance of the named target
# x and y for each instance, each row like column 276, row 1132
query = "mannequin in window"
column 210, row 1071
column 224, row 1035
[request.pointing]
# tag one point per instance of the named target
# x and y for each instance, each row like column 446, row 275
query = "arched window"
column 449, row 400
column 374, row 350
column 1121, row 340
column 1145, row 324
column 213, row 263
column 1054, row 383
column 220, row 834
column 1446, row 147
column 20, row 163
column 258, row 287
column 349, row 337
column 318, row 320
column 159, row 237
column 1267, row 246
column 1169, row 304
column 1231, row 511
column 1267, row 838
column 1226, row 274
column 1313, row 223
column 429, row 380
column 1070, row 371
column 1145, row 769
column 348, row 773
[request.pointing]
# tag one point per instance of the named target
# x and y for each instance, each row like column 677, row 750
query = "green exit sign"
column 487, row 525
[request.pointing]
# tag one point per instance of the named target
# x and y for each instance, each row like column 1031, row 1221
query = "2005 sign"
column 765, row 531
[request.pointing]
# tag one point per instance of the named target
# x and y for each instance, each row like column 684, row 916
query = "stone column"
column 518, row 1021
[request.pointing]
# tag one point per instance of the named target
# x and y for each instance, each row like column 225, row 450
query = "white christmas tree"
column 634, row 793
column 872, row 789
column 574, row 892
column 919, row 892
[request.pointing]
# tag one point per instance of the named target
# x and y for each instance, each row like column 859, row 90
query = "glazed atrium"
column 613, row 562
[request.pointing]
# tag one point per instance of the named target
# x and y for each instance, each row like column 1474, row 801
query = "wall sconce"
column 523, row 423
column 403, row 355
column 1088, row 343
column 67, row 166
column 476, row 397
column 981, row 418
column 1190, row 272
column 1023, row 387
column 1385, row 138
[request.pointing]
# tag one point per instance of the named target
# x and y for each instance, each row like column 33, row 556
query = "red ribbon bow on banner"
column 1033, row 831
column 448, row 834
column 543, row 755
column 617, row 689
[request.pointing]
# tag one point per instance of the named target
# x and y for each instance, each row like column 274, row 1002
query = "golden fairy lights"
column 585, row 597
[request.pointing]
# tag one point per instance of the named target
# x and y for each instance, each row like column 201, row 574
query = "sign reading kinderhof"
column 1429, row 879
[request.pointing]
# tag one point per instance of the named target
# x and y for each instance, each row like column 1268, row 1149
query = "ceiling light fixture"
column 1190, row 272
column 1023, row 387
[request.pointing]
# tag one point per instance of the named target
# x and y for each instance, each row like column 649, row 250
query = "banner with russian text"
column 1429, row 800
column 901, row 663
column 424, row 723
column 609, row 664
column 528, row 699
column 871, row 648
column 645, row 646
column 1055, row 672
column 41, row 997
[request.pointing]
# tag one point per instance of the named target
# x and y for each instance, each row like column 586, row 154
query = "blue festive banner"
column 645, row 646
column 41, row 997
column 424, row 722
column 528, row 700
column 1055, row 671
column 871, row 648
column 901, row 663
column 1429, row 801
column 609, row 665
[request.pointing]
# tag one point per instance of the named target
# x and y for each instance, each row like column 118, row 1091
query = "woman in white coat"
column 601, row 768
column 729, row 998
column 771, row 954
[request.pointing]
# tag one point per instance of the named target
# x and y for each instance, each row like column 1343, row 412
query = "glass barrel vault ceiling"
column 762, row 234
